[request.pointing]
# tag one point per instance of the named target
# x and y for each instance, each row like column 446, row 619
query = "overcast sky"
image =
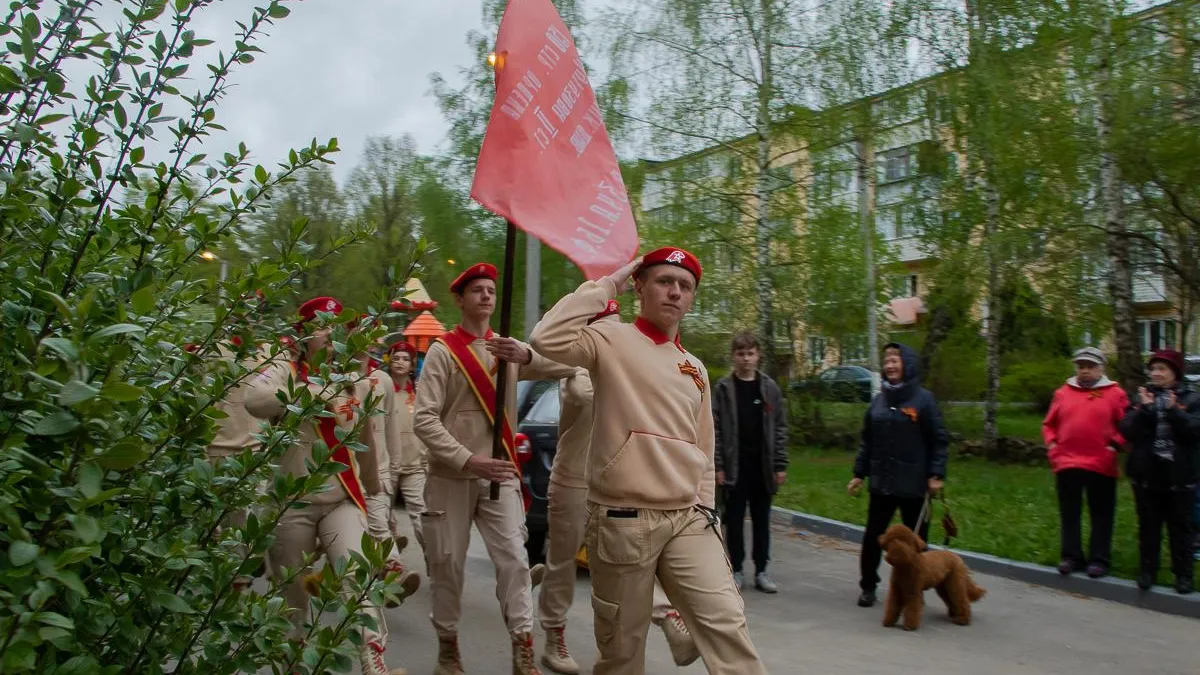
column 342, row 68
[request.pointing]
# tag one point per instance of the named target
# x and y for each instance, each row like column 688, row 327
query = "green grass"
column 1007, row 511
column 965, row 421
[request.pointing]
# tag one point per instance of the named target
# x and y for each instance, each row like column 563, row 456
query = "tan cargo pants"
column 451, row 506
column 340, row 527
column 380, row 516
column 412, row 487
column 626, row 550
column 568, row 518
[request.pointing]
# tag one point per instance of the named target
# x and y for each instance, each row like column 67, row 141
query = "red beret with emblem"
column 404, row 346
column 613, row 308
column 477, row 271
column 669, row 255
column 308, row 311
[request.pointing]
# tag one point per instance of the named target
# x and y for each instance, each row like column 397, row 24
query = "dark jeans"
column 1101, row 493
column 880, row 510
column 1174, row 508
column 758, row 499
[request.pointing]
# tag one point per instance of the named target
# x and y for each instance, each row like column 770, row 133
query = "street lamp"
column 222, row 274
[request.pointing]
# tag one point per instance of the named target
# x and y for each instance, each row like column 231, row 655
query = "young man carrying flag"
column 454, row 408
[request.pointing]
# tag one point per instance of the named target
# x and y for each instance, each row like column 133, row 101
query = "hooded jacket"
column 1140, row 426
column 1081, row 429
column 904, row 441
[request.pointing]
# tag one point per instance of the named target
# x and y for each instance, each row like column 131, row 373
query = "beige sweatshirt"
column 406, row 450
column 574, row 430
column 235, row 432
column 652, row 435
column 448, row 418
column 261, row 402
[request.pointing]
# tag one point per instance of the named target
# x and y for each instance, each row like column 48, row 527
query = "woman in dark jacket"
column 903, row 453
column 1163, row 427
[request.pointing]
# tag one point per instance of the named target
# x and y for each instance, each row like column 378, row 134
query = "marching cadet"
column 651, row 477
column 337, row 516
column 406, row 450
column 454, row 408
column 568, row 518
column 377, row 384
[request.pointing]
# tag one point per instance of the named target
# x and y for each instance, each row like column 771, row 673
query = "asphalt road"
column 814, row 626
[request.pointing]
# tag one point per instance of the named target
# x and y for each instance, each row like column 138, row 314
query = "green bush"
column 114, row 560
column 958, row 371
column 1033, row 382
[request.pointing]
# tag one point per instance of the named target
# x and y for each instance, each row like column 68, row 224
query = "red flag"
column 547, row 163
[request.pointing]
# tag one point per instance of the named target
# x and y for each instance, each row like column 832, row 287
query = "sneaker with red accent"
column 371, row 656
column 523, row 659
column 555, row 656
column 679, row 639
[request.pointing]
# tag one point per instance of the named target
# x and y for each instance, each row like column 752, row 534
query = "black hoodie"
column 904, row 441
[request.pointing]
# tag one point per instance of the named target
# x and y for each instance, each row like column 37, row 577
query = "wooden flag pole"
column 510, row 254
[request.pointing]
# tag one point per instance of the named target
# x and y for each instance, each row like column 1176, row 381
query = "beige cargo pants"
column 451, row 506
column 626, row 550
column 339, row 527
column 568, row 519
column 412, row 487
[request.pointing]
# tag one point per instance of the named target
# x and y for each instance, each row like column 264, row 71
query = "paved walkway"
column 813, row 626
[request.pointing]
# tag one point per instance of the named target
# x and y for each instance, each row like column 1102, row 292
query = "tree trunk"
column 1120, row 279
column 866, row 186
column 762, row 229
column 990, row 227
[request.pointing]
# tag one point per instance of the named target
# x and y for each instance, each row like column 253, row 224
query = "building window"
column 903, row 286
column 816, row 350
column 896, row 165
column 1154, row 334
column 854, row 350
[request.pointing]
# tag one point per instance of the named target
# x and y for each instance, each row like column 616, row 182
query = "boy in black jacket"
column 903, row 452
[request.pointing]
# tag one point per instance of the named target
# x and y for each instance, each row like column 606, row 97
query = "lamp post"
column 223, row 271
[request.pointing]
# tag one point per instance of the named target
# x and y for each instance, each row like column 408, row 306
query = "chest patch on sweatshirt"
column 688, row 369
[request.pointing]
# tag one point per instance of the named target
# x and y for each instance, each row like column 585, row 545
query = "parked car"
column 840, row 383
column 528, row 392
column 536, row 443
column 1191, row 370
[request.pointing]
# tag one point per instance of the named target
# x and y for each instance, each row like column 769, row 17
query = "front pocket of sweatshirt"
column 654, row 469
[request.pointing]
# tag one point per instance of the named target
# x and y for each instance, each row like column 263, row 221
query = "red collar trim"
column 467, row 337
column 656, row 336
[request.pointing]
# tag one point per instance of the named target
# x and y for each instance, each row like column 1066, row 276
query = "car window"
column 828, row 375
column 547, row 409
column 847, row 375
column 1193, row 367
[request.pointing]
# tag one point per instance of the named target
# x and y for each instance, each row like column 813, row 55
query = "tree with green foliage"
column 116, row 556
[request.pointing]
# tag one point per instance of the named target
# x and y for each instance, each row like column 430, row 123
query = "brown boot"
column 555, row 656
column 523, row 659
column 449, row 660
column 536, row 574
column 409, row 581
column 679, row 639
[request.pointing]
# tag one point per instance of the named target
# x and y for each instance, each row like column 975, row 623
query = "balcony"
column 908, row 249
column 1149, row 288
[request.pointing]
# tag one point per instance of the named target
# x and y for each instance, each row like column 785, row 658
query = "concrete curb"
column 1159, row 599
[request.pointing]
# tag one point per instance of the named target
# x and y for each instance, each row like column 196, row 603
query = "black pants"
column 1173, row 507
column 1101, row 493
column 757, row 497
column 880, row 510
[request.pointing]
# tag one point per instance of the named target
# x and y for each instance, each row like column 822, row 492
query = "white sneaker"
column 371, row 657
column 555, row 656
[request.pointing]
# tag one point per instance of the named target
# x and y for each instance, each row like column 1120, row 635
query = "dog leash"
column 925, row 512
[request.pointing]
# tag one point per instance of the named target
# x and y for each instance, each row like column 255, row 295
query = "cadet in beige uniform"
column 378, row 384
column 568, row 517
column 456, row 428
column 337, row 516
column 406, row 450
column 651, row 478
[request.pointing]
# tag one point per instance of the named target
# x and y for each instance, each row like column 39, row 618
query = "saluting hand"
column 620, row 278
column 510, row 350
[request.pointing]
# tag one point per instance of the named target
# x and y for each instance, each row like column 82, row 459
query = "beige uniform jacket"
column 652, row 435
column 449, row 419
column 406, row 451
column 235, row 432
column 379, row 385
column 261, row 401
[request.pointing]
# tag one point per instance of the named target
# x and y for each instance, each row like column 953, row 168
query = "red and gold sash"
column 482, row 384
column 340, row 453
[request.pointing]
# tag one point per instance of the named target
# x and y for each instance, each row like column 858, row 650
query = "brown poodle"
column 913, row 572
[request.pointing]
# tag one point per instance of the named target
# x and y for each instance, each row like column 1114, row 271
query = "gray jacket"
column 725, row 423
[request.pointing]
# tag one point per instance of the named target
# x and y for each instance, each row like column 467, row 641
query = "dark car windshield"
column 547, row 408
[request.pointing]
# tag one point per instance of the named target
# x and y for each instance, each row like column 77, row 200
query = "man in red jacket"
column 1081, row 435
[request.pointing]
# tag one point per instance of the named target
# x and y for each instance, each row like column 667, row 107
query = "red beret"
column 613, row 308
column 477, row 271
column 404, row 346
column 308, row 311
column 669, row 255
